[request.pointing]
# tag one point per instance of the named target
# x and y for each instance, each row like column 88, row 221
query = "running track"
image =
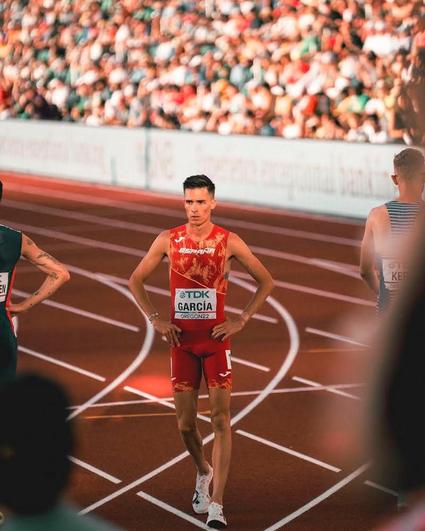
column 299, row 365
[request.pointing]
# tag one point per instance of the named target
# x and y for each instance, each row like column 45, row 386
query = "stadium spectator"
column 268, row 67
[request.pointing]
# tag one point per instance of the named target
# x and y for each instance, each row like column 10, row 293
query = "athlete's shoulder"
column 5, row 229
column 235, row 241
column 377, row 213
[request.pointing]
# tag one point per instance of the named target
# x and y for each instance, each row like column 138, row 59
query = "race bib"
column 4, row 284
column 195, row 303
column 394, row 272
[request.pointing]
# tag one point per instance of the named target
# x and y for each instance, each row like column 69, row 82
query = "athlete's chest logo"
column 178, row 240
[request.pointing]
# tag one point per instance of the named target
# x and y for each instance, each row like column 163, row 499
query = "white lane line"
column 330, row 389
column 166, row 293
column 257, row 316
column 95, row 470
column 245, row 225
column 138, row 360
column 289, row 451
column 83, row 313
column 326, row 494
column 82, row 216
column 61, row 364
column 161, row 401
column 337, row 337
column 313, row 291
column 381, row 488
column 234, row 394
column 118, row 403
column 294, row 342
column 122, row 249
column 345, row 269
column 171, row 509
column 142, row 194
column 250, row 364
column 88, row 242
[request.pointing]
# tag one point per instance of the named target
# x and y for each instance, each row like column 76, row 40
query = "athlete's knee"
column 187, row 427
column 220, row 420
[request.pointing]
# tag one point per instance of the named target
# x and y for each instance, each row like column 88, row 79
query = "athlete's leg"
column 220, row 419
column 186, row 373
column 186, row 403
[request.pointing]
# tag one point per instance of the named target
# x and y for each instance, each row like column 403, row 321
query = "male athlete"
column 381, row 265
column 13, row 245
column 199, row 255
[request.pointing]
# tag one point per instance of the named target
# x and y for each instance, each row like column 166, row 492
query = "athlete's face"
column 198, row 203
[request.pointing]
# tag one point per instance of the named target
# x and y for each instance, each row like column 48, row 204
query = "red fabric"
column 199, row 265
column 9, row 295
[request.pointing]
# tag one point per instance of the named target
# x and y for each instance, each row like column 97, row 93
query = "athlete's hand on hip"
column 168, row 331
column 17, row 308
column 228, row 328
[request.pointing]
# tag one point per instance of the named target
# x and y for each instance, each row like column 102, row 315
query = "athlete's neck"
column 410, row 191
column 199, row 232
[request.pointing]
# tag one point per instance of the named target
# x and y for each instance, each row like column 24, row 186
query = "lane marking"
column 294, row 342
column 313, row 291
column 161, row 401
column 138, row 360
column 95, row 470
column 82, row 216
column 83, row 313
column 134, row 415
column 289, row 451
column 318, row 350
column 326, row 494
column 250, row 364
column 122, row 249
column 330, row 389
column 171, row 509
column 245, row 225
column 234, row 394
column 143, row 193
column 55, row 361
column 381, row 488
column 337, row 337
column 88, row 242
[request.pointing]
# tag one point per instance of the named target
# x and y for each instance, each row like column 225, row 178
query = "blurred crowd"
column 325, row 69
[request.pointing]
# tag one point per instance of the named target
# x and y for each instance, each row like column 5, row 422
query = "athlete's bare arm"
column 368, row 253
column 239, row 250
column 56, row 275
column 157, row 252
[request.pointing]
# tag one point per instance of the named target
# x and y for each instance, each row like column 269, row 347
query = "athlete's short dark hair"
column 408, row 161
column 35, row 441
column 199, row 181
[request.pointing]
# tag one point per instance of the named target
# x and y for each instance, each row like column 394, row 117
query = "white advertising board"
column 106, row 155
column 326, row 177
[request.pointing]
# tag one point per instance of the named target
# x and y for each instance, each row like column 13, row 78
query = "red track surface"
column 134, row 446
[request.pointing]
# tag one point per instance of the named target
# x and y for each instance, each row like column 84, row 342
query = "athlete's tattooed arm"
column 157, row 252
column 239, row 250
column 56, row 275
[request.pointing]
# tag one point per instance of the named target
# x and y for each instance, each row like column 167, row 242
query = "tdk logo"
column 200, row 294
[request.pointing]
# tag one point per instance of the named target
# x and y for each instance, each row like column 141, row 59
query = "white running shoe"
column 216, row 518
column 201, row 497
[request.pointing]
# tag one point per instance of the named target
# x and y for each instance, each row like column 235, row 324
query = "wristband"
column 153, row 315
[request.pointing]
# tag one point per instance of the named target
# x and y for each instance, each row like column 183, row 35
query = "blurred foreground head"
column 399, row 393
column 35, row 441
